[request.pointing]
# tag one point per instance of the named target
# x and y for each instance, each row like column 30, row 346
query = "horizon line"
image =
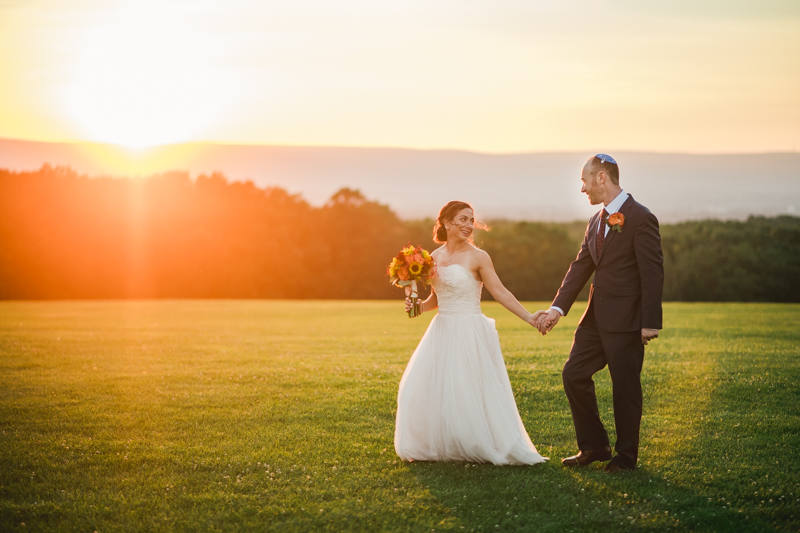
column 147, row 148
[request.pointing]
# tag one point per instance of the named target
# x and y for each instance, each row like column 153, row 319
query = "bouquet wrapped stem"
column 412, row 269
column 412, row 294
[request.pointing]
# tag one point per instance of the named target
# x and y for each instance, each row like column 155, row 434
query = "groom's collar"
column 616, row 204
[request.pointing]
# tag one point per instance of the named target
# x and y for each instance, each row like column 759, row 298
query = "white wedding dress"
column 455, row 401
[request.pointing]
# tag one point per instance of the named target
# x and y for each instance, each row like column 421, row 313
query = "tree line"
column 68, row 236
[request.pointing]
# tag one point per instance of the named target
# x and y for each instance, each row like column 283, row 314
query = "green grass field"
column 279, row 416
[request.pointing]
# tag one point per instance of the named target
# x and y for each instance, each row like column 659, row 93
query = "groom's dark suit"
column 624, row 298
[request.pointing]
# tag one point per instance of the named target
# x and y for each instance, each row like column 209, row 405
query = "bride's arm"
column 431, row 302
column 498, row 291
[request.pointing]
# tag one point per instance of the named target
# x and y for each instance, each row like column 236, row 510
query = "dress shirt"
column 612, row 207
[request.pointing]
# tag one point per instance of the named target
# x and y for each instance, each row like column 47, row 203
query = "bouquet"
column 412, row 269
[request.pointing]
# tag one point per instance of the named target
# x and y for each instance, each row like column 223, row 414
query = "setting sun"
column 143, row 79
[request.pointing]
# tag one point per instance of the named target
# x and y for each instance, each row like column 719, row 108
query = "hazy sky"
column 497, row 76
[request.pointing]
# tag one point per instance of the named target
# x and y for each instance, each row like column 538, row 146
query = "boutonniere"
column 616, row 221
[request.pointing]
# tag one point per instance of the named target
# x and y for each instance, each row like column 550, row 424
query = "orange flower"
column 402, row 273
column 616, row 219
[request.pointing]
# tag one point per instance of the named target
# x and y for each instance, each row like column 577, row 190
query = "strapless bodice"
column 457, row 290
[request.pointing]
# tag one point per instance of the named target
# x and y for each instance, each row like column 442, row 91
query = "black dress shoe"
column 613, row 467
column 587, row 457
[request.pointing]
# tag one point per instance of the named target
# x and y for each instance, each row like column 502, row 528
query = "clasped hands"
column 544, row 321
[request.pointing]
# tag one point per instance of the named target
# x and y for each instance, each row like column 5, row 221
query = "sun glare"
column 143, row 79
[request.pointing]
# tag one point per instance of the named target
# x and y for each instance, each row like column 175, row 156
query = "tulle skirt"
column 455, row 401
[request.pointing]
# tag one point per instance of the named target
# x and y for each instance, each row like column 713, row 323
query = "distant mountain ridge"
column 416, row 183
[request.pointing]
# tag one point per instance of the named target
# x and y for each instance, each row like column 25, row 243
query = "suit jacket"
column 628, row 274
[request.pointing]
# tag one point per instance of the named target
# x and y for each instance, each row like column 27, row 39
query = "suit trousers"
column 623, row 352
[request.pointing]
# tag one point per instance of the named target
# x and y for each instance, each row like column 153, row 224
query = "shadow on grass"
column 549, row 497
column 726, row 479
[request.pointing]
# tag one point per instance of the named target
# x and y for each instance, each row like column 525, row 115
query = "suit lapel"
column 610, row 237
column 593, row 237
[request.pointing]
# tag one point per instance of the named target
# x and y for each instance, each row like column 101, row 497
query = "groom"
column 622, row 247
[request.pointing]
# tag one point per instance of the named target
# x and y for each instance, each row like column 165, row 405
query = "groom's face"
column 591, row 186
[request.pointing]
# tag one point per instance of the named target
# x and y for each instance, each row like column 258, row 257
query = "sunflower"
column 415, row 269
column 394, row 266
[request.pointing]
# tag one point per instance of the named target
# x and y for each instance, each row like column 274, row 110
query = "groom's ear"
column 602, row 177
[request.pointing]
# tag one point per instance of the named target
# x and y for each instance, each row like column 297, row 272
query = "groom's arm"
column 578, row 274
column 649, row 257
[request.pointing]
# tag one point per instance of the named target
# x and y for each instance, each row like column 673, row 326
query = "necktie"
column 601, row 232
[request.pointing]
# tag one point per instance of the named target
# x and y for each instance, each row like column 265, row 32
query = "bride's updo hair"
column 447, row 214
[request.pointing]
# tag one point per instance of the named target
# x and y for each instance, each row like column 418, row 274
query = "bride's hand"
column 408, row 304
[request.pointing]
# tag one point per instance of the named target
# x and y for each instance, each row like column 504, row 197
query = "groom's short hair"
column 611, row 169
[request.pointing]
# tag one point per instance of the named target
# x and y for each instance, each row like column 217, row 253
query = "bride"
column 455, row 401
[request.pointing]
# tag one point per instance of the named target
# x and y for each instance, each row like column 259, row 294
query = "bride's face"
column 461, row 227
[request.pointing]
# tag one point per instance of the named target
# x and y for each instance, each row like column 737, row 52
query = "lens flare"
column 143, row 77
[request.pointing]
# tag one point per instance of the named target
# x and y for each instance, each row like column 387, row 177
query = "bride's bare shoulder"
column 437, row 252
column 479, row 255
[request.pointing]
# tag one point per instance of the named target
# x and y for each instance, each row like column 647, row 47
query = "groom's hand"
column 534, row 320
column 548, row 321
column 541, row 320
column 648, row 335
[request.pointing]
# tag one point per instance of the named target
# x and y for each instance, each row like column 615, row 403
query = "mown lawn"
column 279, row 416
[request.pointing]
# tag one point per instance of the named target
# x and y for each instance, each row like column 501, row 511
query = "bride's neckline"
column 462, row 266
